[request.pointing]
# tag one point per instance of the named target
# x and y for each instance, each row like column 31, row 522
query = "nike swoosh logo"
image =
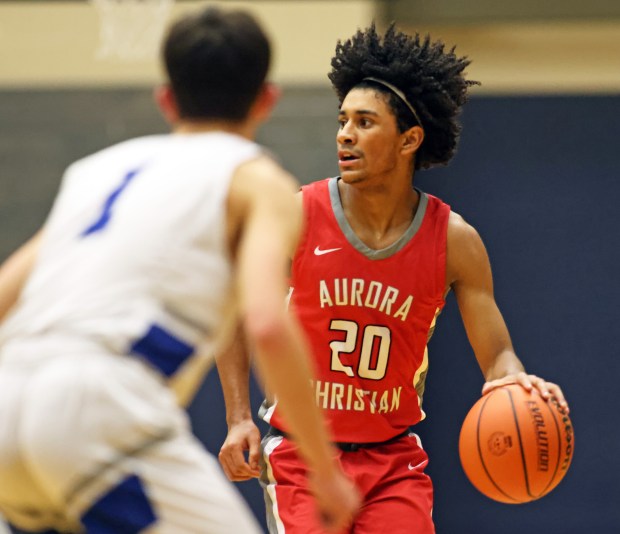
column 319, row 252
column 412, row 467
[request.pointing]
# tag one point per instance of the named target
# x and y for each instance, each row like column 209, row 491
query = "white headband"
column 397, row 92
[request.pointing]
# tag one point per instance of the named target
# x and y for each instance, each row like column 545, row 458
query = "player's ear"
column 411, row 140
column 166, row 102
column 265, row 102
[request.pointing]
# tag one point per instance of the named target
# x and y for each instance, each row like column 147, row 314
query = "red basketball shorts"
column 397, row 494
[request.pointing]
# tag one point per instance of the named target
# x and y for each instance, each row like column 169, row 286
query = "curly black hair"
column 431, row 77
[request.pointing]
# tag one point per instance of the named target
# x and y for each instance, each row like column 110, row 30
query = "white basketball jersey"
column 134, row 257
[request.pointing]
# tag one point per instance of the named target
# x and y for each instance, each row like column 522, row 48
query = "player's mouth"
column 347, row 159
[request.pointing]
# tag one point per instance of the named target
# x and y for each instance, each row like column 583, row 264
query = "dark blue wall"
column 539, row 179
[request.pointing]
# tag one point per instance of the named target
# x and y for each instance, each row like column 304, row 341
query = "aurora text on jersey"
column 359, row 292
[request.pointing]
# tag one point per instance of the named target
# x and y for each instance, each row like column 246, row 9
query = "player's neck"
column 379, row 216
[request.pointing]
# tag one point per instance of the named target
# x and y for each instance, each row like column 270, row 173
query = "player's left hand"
column 546, row 389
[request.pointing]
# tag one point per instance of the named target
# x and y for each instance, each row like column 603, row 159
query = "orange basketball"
column 514, row 446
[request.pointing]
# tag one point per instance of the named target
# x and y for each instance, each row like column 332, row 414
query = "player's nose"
column 345, row 135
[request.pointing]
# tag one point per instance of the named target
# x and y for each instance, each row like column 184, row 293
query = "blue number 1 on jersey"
column 106, row 212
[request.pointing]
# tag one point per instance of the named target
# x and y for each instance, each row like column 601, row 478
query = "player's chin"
column 350, row 177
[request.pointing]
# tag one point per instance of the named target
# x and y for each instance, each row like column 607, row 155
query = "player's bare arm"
column 260, row 197
column 469, row 276
column 15, row 271
column 233, row 365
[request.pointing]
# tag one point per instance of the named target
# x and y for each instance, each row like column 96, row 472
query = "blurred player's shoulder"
column 132, row 148
column 264, row 172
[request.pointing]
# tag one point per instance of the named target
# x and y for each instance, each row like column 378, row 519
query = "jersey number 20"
column 372, row 336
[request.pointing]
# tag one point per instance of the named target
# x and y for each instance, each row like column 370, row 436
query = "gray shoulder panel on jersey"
column 355, row 241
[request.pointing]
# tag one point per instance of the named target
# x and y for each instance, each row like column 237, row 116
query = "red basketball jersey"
column 368, row 315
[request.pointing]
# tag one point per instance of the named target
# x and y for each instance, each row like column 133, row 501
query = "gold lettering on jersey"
column 388, row 299
column 341, row 291
column 324, row 295
column 384, row 405
column 396, row 399
column 403, row 311
column 374, row 295
column 358, row 405
column 322, row 394
column 336, row 396
column 357, row 287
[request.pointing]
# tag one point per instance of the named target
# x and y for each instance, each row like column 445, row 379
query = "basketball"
column 514, row 446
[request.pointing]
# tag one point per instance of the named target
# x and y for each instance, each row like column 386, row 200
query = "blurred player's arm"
column 233, row 365
column 15, row 271
column 260, row 197
column 469, row 275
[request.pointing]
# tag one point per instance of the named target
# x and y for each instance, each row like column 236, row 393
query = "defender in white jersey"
column 154, row 249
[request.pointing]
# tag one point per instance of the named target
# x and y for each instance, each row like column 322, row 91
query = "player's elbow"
column 266, row 329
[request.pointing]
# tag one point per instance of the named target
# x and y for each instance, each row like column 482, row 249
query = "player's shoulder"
column 263, row 171
column 321, row 183
column 464, row 240
column 261, row 179
column 137, row 149
column 459, row 228
column 466, row 251
column 262, row 188
column 316, row 188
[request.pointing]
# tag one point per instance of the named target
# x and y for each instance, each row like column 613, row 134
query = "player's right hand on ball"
column 338, row 500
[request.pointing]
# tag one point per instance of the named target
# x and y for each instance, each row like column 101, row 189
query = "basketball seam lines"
column 514, row 413
column 557, row 427
column 480, row 451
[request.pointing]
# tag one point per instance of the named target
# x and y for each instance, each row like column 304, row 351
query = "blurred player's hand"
column 337, row 498
column 243, row 436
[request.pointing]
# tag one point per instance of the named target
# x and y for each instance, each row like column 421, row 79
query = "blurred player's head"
column 216, row 61
column 423, row 84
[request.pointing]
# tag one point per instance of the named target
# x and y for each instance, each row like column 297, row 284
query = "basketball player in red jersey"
column 369, row 278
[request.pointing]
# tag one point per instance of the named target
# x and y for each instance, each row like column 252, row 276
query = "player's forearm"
column 487, row 333
column 233, row 365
